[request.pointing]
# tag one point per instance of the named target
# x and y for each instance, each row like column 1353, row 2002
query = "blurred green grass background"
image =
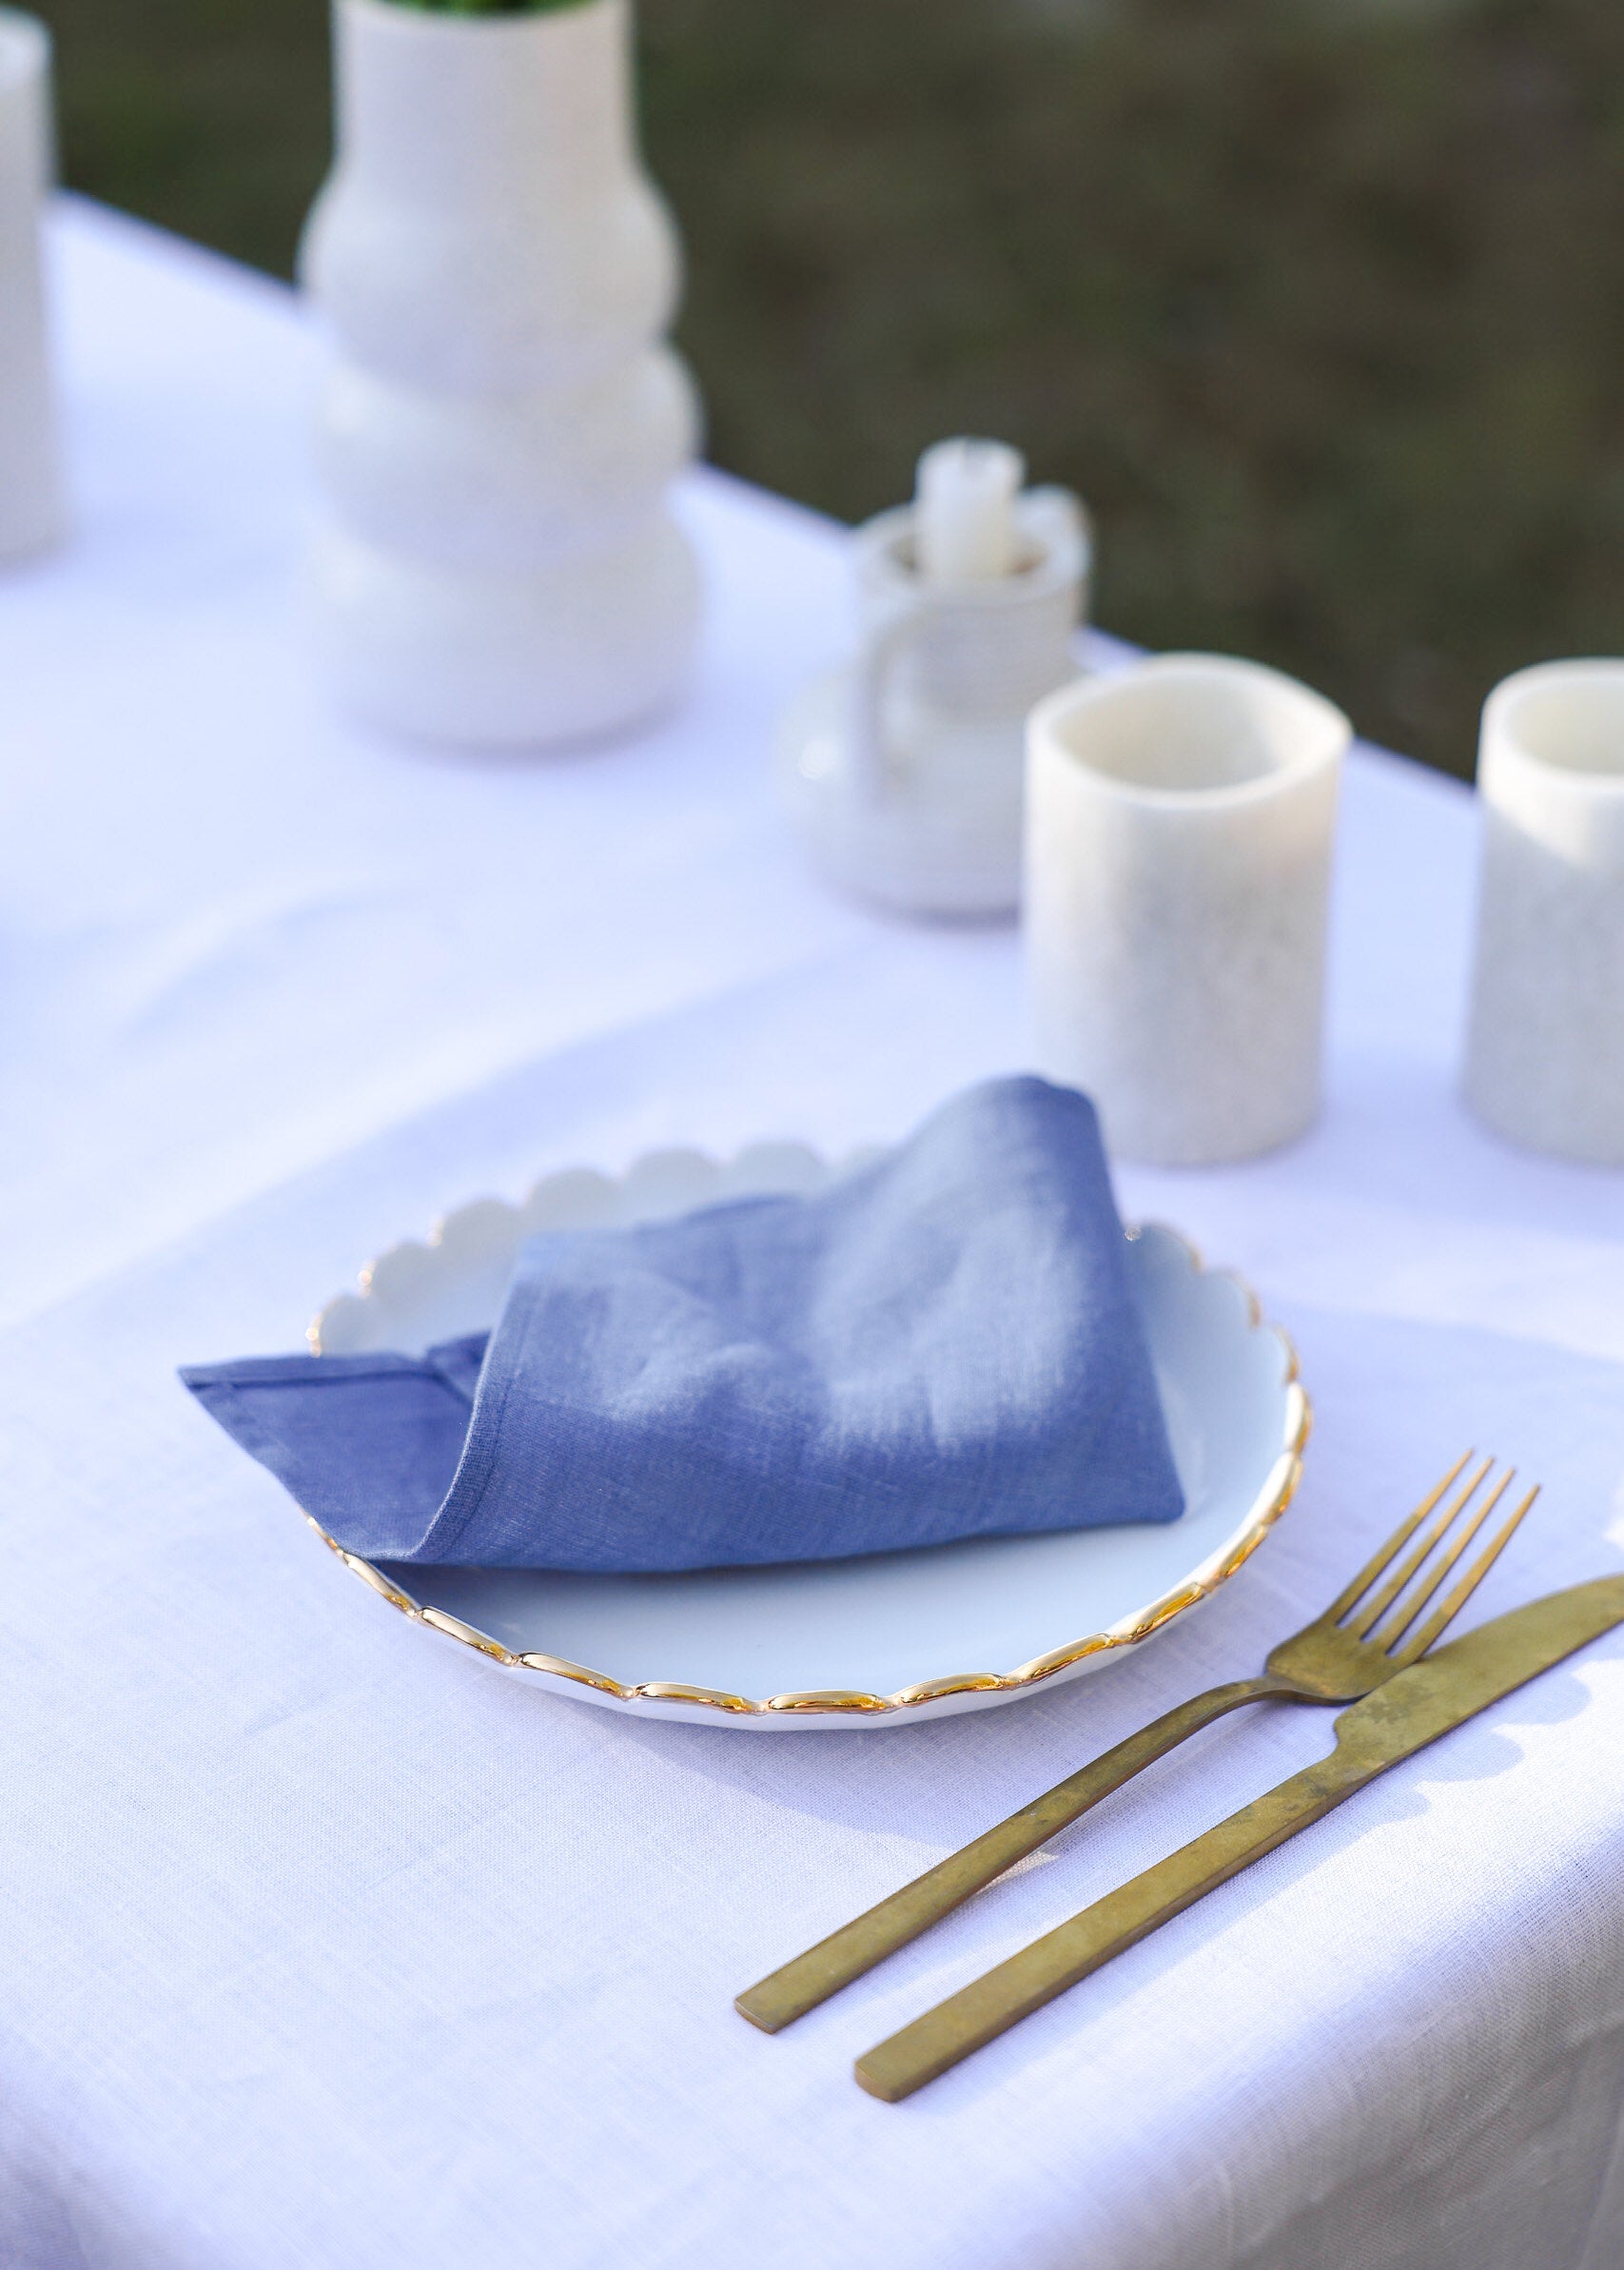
column 1319, row 303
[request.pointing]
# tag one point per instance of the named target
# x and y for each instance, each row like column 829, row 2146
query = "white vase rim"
column 400, row 16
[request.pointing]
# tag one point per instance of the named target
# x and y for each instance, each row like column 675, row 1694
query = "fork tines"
column 1387, row 1610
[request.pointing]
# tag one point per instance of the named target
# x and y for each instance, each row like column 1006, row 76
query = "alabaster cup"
column 1545, row 1049
column 1179, row 828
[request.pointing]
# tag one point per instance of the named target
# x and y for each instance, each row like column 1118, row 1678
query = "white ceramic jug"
column 902, row 773
column 498, row 563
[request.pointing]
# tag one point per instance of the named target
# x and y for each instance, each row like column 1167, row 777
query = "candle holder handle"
column 869, row 744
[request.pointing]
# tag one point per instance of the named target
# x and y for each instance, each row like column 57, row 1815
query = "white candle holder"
column 1545, row 1052
column 1179, row 826
column 33, row 511
column 902, row 771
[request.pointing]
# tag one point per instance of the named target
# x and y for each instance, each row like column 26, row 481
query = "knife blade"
column 1411, row 1710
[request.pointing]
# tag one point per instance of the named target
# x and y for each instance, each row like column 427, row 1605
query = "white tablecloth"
column 328, row 1948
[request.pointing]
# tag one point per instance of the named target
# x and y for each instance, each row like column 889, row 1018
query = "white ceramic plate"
column 891, row 1638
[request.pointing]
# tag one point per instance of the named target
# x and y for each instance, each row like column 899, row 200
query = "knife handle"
column 990, row 2004
column 857, row 1947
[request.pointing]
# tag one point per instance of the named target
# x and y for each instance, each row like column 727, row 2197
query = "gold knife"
column 1411, row 1710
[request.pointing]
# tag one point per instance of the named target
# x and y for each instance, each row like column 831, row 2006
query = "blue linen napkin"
column 943, row 1344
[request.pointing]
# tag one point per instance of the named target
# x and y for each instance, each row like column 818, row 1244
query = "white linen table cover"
column 327, row 1947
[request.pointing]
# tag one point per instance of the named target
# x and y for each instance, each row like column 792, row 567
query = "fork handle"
column 990, row 2004
column 857, row 1947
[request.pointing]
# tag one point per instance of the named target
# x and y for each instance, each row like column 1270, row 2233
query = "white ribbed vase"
column 1545, row 1054
column 33, row 511
column 498, row 562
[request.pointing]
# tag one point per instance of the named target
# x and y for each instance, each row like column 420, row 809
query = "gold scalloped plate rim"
column 1270, row 1503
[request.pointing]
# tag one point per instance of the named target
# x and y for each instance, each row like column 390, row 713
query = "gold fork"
column 1368, row 1632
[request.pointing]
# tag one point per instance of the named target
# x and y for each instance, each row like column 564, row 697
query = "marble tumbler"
column 1545, row 1052
column 1179, row 826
